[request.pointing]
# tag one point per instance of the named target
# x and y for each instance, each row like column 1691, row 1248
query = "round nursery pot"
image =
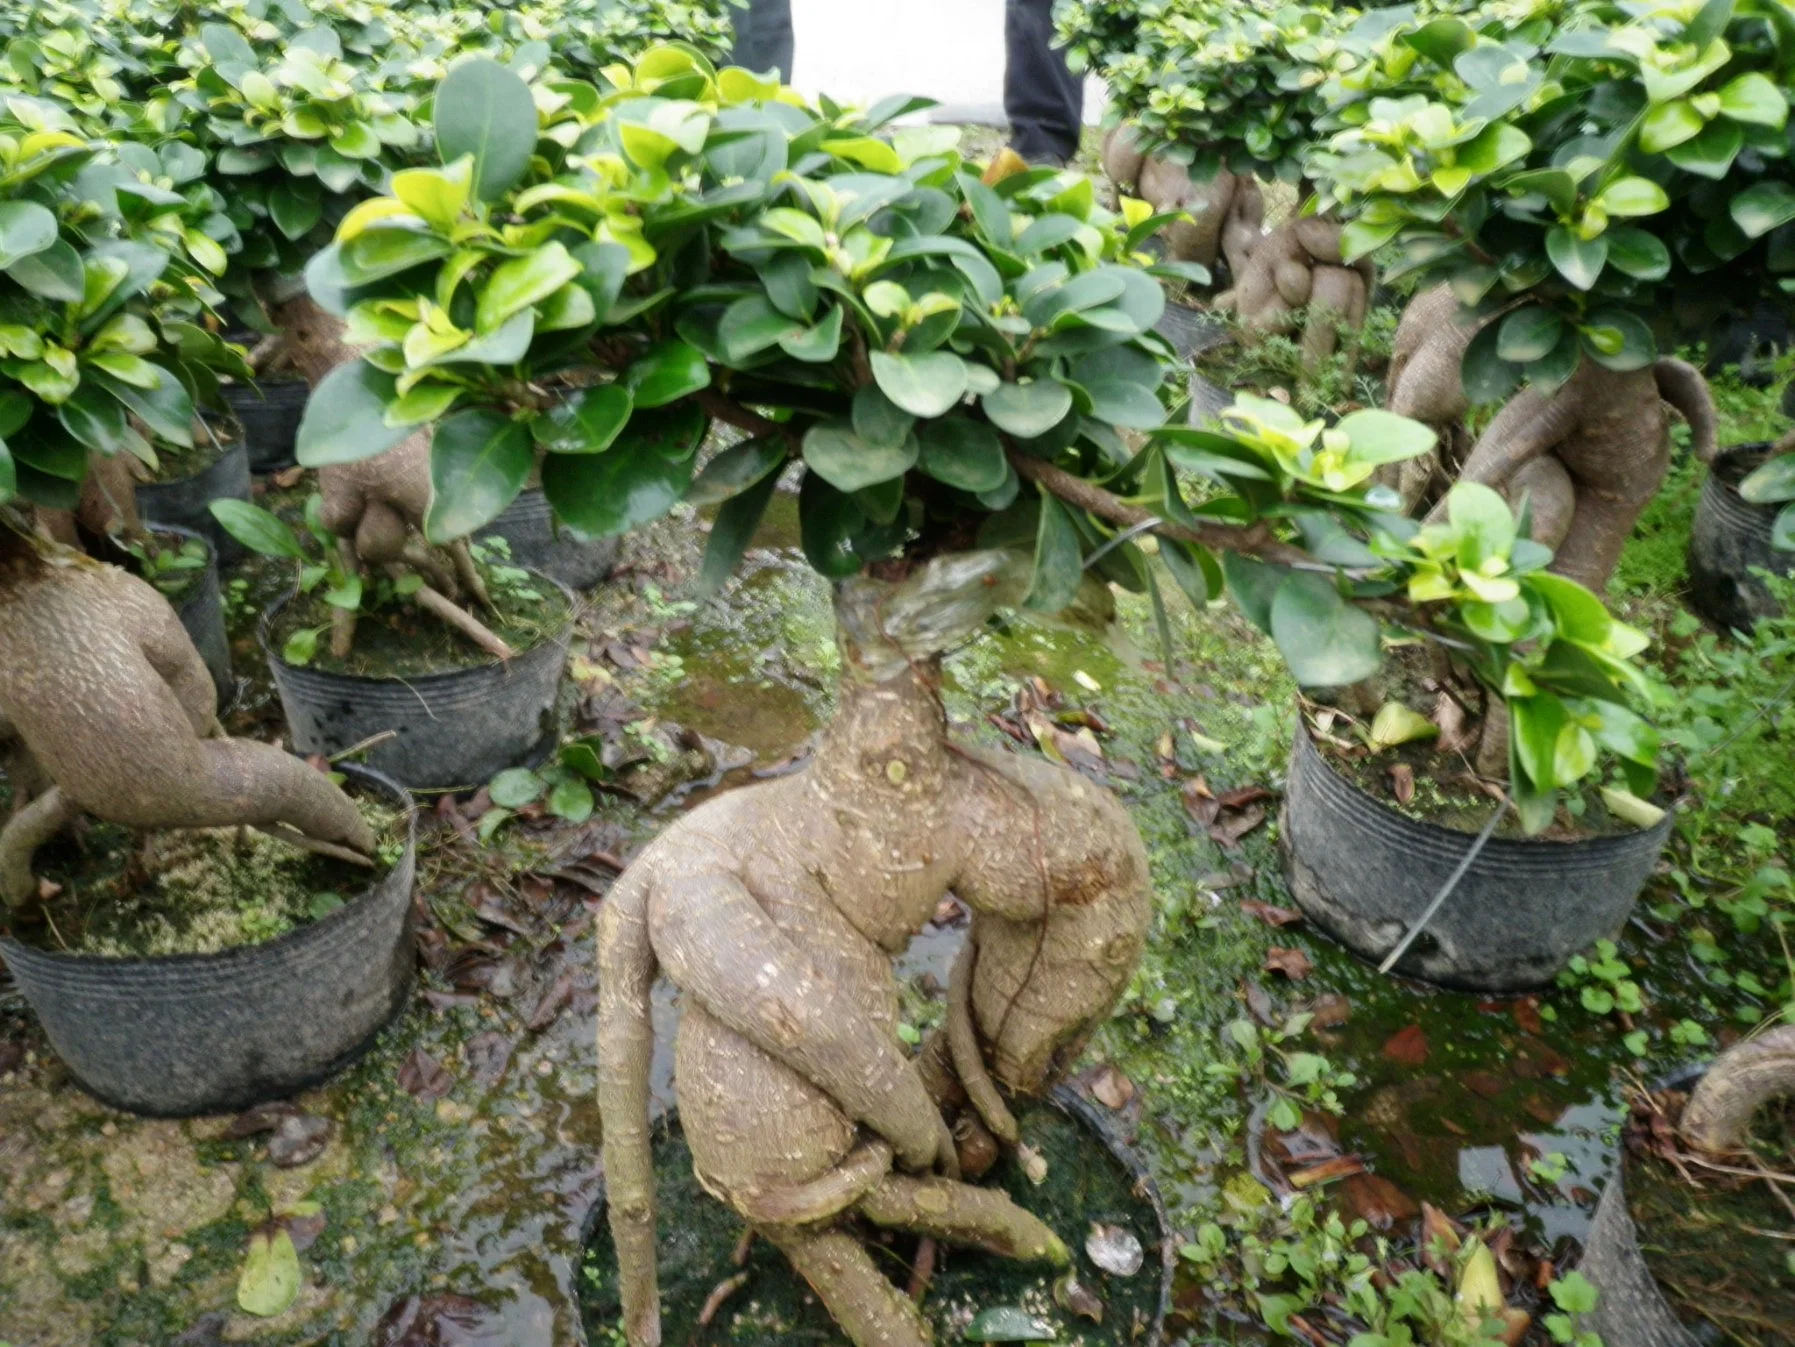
column 1729, row 540
column 1190, row 330
column 1093, row 1176
column 1364, row 873
column 184, row 501
column 269, row 412
column 201, row 610
column 443, row 731
column 528, row 525
column 183, row 1034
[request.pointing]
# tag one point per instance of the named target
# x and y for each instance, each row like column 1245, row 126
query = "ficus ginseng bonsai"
column 1212, row 98
column 954, row 362
column 1572, row 175
column 104, row 704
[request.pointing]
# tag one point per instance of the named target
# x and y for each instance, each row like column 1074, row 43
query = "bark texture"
column 1424, row 383
column 777, row 910
column 1742, row 1080
column 1589, row 456
column 101, row 686
column 1295, row 271
column 1227, row 212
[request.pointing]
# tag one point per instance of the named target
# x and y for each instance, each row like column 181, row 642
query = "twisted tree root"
column 1717, row 1118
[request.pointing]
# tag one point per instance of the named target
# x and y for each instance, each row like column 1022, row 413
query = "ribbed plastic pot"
column 1729, row 539
column 269, row 412
column 441, row 731
column 1363, row 873
column 1190, row 330
column 184, row 502
column 213, row 1033
column 201, row 611
column 529, row 526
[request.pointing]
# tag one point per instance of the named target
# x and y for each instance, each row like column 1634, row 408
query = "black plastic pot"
column 1364, row 873
column 201, row 610
column 528, row 525
column 443, row 731
column 184, row 502
column 1190, row 330
column 213, row 1033
column 1730, row 539
column 269, row 411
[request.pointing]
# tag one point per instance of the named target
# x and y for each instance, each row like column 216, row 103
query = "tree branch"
column 720, row 408
column 1255, row 540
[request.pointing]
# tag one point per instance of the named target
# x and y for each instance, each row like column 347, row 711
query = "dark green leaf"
column 1762, row 207
column 1579, row 261
column 1254, row 584
column 1325, row 641
column 878, row 420
column 638, row 479
column 734, row 529
column 736, row 469
column 345, row 417
column 257, row 529
column 586, row 422
column 485, row 110
column 166, row 408
column 1059, row 560
column 849, row 463
column 25, row 228
column 963, row 453
column 750, row 325
column 1486, row 375
column 666, row 372
column 923, row 385
column 55, row 273
column 96, row 418
column 479, row 461
column 1195, row 569
column 295, row 207
column 828, row 522
column 1007, row 1323
column 1028, row 409
column 1528, row 333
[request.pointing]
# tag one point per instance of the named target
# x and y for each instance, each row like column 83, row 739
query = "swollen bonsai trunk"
column 1298, row 267
column 777, row 908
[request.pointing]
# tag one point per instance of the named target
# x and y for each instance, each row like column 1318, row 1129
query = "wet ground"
column 460, row 1166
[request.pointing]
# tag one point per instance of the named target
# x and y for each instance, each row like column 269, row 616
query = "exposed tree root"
column 1297, row 268
column 1718, row 1116
column 1227, row 212
column 102, row 685
column 777, row 908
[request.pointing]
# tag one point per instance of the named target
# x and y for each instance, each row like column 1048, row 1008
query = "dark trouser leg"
column 763, row 37
column 1043, row 99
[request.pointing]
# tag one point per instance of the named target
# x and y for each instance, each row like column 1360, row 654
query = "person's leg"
column 763, row 37
column 1043, row 99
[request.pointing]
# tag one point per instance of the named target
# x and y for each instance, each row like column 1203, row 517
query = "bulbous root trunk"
column 1744, row 1078
column 1226, row 211
column 1299, row 267
column 102, row 686
column 1424, row 383
column 776, row 909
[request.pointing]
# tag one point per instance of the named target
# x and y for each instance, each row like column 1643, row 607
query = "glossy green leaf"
column 1638, row 253
column 95, row 418
column 25, row 228
column 1384, row 437
column 1528, row 333
column 733, row 530
column 585, row 422
column 923, row 385
column 485, row 110
column 1633, row 196
column 1771, row 484
column 1711, row 153
column 1059, row 559
column 736, row 469
column 828, row 522
column 638, row 479
column 752, row 324
column 963, row 453
column 1754, row 97
column 1579, row 261
column 165, row 406
column 1030, row 409
column 667, row 372
column 1669, row 124
column 1325, row 641
column 1619, row 339
column 345, row 417
column 479, row 461
column 295, row 207
column 1762, row 207
column 879, row 420
column 1122, row 384
column 520, row 282
column 849, row 463
column 54, row 273
column 257, row 529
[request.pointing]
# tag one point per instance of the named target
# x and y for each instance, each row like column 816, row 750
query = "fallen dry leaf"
column 1242, row 796
column 422, row 1075
column 1440, row 1238
column 300, row 1139
column 1526, row 1013
column 1270, row 914
column 261, row 1118
column 1292, row 963
column 1328, row 1171
column 1330, row 1010
column 1402, row 782
column 1485, row 1083
column 1227, row 831
column 1450, row 717
column 1034, row 1164
column 487, row 1055
column 1111, row 1088
column 1407, row 1046
column 1114, row 1249
column 1376, row 1201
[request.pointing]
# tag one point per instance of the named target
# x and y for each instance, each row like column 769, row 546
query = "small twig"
column 720, row 1293
column 439, row 605
column 293, row 837
column 1446, row 890
column 720, row 408
column 738, row 1256
column 367, row 743
column 1769, row 1175
column 1127, row 535
column 922, row 1270
column 53, row 930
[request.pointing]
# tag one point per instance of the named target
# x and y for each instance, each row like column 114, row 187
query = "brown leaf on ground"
column 553, row 1001
column 1292, row 963
column 949, row 912
column 303, row 1230
column 1328, row 1171
column 1526, row 1013
column 288, row 478
column 1259, row 1003
column 300, row 1139
column 1111, row 1088
column 1535, row 1060
column 1270, row 915
column 261, row 1118
column 1314, row 1139
column 1515, row 1325
column 486, row 1056
column 1402, row 782
column 1485, row 1083
column 1407, row 1046
column 1227, row 831
column 1376, row 1201
column 1440, row 1238
column 422, row 1075
column 1450, row 717
column 1330, row 1010
column 1199, row 803
column 1242, row 796
column 1542, row 1110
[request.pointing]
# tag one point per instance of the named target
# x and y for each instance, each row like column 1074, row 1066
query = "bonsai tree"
column 1569, row 180
column 1214, row 98
column 104, row 704
column 951, row 358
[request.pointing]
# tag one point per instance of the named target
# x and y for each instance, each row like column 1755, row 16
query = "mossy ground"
column 197, row 891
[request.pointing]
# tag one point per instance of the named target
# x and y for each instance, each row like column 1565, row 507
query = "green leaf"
column 1633, row 196
column 828, row 522
column 583, row 756
column 1528, row 334
column 586, row 422
column 479, row 461
column 849, row 463
column 294, row 209
column 734, row 529
column 1122, row 384
column 736, row 469
column 345, row 417
column 94, row 417
column 515, row 787
column 485, row 110
column 25, row 228
column 1669, row 124
column 638, row 479
column 1762, row 207
column 1325, row 641
column 9, row 476
column 1397, row 724
column 1754, row 97
column 1059, row 560
column 1028, row 410
column 257, row 529
column 1486, row 376
column 923, row 385
column 269, row 1283
column 1637, row 253
column 1619, row 339
column 165, row 407
column 1195, row 570
column 55, row 273
column 1579, row 261
column 965, row 454
column 1384, row 437
column 571, row 799
column 816, row 345
column 750, row 325
column 1007, row 1323
column 666, row 372
column 1711, row 153
column 520, row 282
column 1772, row 483
column 385, row 249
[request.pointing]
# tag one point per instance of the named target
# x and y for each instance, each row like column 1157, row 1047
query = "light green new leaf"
column 519, row 282
column 269, row 1283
